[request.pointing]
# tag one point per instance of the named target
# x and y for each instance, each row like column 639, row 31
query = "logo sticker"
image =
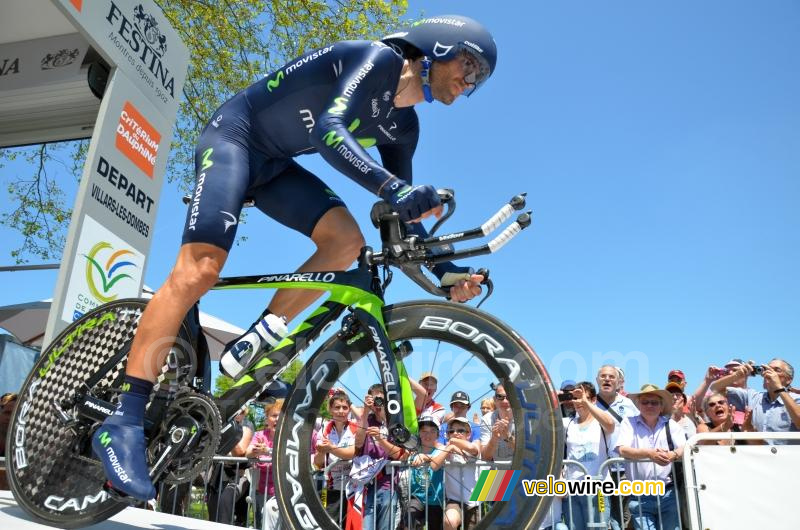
column 137, row 139
column 101, row 277
column 148, row 25
column 61, row 58
column 229, row 222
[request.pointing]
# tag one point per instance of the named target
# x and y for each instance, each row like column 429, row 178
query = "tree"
column 232, row 44
column 223, row 383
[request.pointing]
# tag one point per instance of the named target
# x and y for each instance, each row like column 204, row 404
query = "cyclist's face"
column 447, row 79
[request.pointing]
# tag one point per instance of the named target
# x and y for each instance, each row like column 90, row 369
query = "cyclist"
column 336, row 101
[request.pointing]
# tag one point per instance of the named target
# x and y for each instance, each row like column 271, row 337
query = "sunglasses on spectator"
column 457, row 431
column 650, row 402
column 7, row 398
column 500, row 397
column 716, row 403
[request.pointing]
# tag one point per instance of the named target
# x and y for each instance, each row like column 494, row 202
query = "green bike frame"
column 359, row 289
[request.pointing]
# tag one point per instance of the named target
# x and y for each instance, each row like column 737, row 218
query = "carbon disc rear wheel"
column 52, row 473
column 474, row 341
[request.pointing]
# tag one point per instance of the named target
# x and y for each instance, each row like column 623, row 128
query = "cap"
column 568, row 384
column 426, row 375
column 677, row 373
column 429, row 419
column 734, row 362
column 460, row 397
column 672, row 385
column 461, row 419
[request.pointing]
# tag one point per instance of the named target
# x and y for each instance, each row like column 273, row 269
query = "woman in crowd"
column 587, row 442
column 721, row 419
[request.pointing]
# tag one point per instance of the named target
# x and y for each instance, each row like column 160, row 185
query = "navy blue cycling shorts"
column 230, row 171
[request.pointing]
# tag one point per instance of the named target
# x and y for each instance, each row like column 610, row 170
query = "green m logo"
column 274, row 83
column 105, row 439
column 206, row 161
column 333, row 140
column 340, row 106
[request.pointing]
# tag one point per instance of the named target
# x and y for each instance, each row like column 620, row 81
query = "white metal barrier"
column 735, row 487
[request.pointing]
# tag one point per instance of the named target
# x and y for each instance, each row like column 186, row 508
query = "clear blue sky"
column 659, row 143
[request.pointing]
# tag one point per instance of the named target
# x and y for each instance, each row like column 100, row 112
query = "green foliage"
column 231, row 44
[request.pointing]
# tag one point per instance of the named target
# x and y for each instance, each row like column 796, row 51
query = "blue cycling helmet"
column 443, row 38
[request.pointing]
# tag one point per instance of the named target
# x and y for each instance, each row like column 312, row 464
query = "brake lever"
column 487, row 282
column 447, row 196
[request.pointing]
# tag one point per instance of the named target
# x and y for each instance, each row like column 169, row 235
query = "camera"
column 565, row 396
column 379, row 401
column 758, row 369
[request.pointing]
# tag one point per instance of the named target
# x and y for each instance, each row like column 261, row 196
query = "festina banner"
column 112, row 224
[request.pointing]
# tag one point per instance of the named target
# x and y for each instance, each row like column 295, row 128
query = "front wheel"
column 473, row 349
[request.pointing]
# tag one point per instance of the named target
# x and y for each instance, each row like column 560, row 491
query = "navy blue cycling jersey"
column 338, row 101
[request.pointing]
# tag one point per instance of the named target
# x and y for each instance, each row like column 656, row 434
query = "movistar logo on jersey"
column 206, row 161
column 340, row 105
column 272, row 84
column 439, row 20
column 308, row 58
column 105, row 438
column 332, row 139
column 352, row 85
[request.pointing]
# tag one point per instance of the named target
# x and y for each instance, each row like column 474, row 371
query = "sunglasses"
column 457, row 431
column 501, row 397
column 7, row 398
column 715, row 403
column 650, row 402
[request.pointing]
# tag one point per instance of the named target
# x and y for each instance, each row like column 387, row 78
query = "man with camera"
column 777, row 408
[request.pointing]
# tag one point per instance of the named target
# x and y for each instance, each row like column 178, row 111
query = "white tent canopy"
column 27, row 323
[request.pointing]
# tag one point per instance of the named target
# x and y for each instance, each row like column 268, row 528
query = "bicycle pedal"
column 119, row 496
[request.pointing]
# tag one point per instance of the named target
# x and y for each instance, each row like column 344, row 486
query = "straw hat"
column 666, row 397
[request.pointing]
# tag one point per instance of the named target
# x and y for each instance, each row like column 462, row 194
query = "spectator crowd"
column 350, row 449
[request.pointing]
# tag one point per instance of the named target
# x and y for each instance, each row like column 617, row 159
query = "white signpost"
column 112, row 223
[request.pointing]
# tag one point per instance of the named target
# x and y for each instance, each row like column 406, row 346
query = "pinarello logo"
column 105, row 268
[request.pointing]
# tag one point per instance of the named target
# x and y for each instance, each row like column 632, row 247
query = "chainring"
column 195, row 458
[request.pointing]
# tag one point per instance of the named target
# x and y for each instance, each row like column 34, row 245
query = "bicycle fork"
column 400, row 410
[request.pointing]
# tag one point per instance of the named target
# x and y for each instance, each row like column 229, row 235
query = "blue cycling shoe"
column 121, row 449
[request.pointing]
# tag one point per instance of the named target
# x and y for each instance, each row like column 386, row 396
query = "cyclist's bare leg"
column 339, row 241
column 195, row 272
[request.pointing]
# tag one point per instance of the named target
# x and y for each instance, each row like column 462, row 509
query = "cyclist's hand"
column 464, row 290
column 414, row 203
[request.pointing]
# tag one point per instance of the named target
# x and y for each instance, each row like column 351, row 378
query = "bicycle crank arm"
column 179, row 437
